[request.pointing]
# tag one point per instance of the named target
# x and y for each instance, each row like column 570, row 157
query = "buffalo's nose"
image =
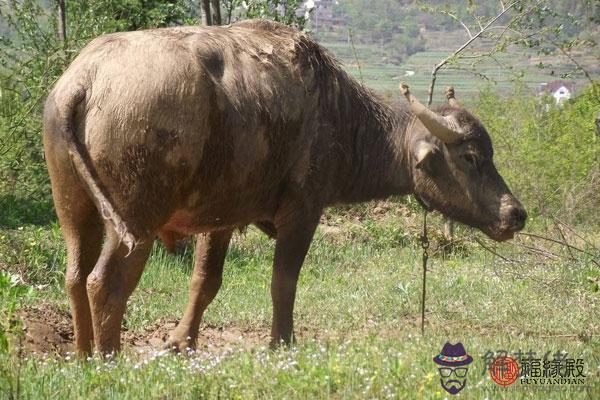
column 517, row 217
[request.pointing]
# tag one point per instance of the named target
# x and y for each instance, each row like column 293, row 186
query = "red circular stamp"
column 504, row 371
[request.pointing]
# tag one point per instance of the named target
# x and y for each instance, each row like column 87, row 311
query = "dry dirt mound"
column 48, row 329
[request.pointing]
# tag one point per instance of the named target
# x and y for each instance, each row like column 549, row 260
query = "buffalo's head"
column 453, row 169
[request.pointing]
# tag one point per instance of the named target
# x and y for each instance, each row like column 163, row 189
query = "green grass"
column 357, row 316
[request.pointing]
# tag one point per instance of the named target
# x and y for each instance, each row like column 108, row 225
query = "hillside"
column 516, row 64
column 381, row 29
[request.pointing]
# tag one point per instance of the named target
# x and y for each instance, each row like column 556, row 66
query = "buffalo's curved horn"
column 445, row 128
column 450, row 96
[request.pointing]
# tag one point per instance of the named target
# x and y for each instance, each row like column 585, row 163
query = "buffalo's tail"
column 86, row 170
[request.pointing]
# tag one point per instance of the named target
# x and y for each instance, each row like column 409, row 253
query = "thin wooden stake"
column 424, row 246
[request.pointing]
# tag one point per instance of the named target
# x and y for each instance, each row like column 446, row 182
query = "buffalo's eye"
column 471, row 159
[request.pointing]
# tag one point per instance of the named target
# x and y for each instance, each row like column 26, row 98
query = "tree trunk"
column 216, row 12
column 62, row 21
column 206, row 17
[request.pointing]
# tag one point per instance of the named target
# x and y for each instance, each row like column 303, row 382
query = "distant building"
column 321, row 16
column 560, row 90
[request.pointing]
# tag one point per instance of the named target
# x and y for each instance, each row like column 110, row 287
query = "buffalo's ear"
column 424, row 152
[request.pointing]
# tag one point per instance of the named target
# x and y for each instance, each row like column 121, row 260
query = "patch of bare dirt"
column 373, row 210
column 213, row 339
column 49, row 329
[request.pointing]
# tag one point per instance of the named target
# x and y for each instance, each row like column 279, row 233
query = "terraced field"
column 380, row 74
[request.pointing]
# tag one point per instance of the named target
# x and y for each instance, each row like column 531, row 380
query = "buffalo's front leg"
column 294, row 234
column 211, row 249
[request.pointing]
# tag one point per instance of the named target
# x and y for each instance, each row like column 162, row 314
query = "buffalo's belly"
column 225, row 209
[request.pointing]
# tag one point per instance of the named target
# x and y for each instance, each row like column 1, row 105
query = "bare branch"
column 437, row 67
column 508, row 260
column 505, row 29
column 564, row 240
column 574, row 232
column 564, row 243
column 478, row 20
column 454, row 17
column 351, row 40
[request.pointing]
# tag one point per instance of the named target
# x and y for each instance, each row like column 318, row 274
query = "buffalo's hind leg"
column 211, row 249
column 82, row 230
column 110, row 284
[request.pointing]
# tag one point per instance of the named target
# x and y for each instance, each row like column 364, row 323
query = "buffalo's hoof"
column 281, row 342
column 180, row 344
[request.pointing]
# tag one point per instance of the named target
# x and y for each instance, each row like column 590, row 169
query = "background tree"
column 62, row 24
column 206, row 14
column 215, row 12
column 285, row 11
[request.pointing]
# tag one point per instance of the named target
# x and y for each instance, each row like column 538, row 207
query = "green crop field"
column 501, row 71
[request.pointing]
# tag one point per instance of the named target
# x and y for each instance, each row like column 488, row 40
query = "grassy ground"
column 356, row 317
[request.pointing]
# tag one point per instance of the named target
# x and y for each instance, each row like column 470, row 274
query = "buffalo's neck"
column 376, row 165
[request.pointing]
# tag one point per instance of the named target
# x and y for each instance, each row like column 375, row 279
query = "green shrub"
column 12, row 294
column 31, row 60
column 550, row 157
column 35, row 253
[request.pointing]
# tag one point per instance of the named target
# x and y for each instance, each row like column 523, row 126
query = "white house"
column 560, row 90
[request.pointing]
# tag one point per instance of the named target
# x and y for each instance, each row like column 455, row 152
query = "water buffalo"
column 192, row 130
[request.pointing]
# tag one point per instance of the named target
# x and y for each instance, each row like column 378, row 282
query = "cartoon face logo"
column 453, row 361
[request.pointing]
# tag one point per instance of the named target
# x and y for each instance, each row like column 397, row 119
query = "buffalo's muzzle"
column 512, row 220
column 516, row 218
